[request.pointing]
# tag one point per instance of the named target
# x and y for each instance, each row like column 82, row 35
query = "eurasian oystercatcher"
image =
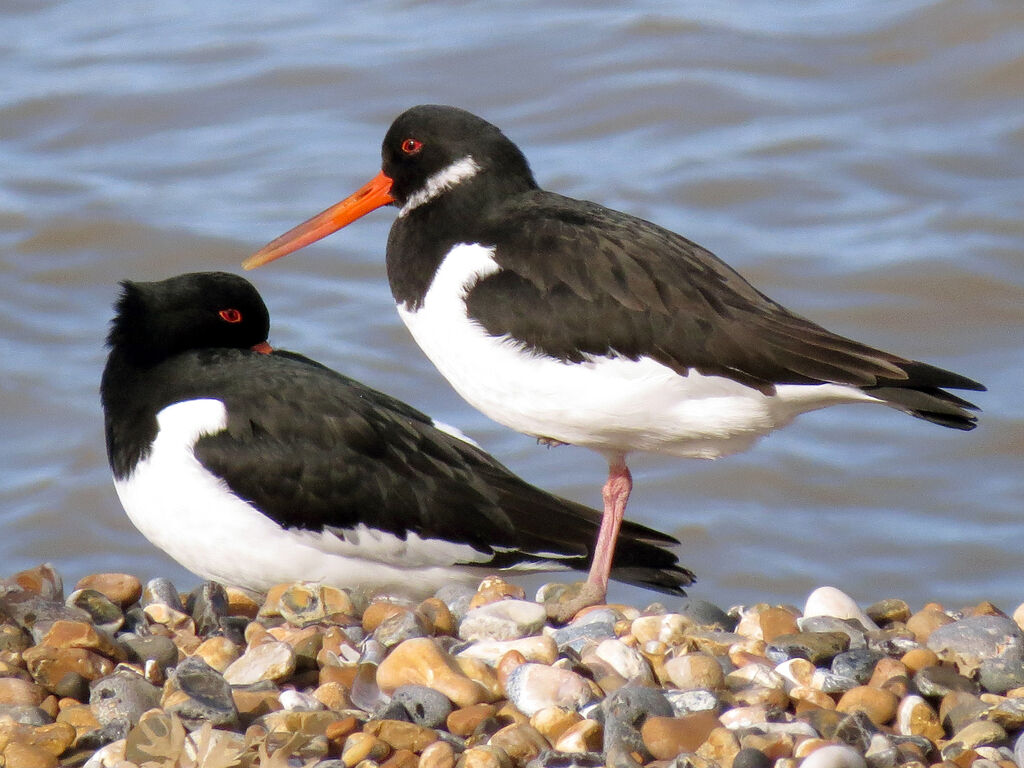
column 254, row 467
column 579, row 324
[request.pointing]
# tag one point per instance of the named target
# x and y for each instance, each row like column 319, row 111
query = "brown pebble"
column 42, row 580
column 927, row 620
column 584, row 736
column 878, row 704
column 508, row 662
column 494, row 588
column 363, row 746
column 552, row 722
column 886, row 669
column 78, row 716
column 484, row 757
column 775, row 745
column 17, row 692
column 520, row 741
column 401, row 735
column 695, row 670
column 18, row 755
column 918, row 658
column 438, row 615
column 376, row 613
column 81, row 634
column 340, row 730
column 56, row 668
column 462, row 722
column 122, row 589
column 403, row 758
column 776, row 621
column 667, row 737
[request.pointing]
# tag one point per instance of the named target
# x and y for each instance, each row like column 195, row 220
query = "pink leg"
column 616, row 494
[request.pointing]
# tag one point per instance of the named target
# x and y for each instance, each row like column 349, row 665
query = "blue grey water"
column 862, row 162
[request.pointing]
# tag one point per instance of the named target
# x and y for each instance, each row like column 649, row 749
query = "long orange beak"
column 373, row 195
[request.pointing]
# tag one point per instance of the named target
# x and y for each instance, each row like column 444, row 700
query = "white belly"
column 612, row 405
column 192, row 515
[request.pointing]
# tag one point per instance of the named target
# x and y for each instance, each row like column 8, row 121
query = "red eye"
column 412, row 146
column 230, row 315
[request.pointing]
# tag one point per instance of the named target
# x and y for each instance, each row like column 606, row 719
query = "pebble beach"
column 117, row 673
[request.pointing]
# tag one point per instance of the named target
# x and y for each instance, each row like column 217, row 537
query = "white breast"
column 612, row 405
column 195, row 518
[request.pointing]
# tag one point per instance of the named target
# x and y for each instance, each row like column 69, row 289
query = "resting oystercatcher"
column 579, row 324
column 255, row 467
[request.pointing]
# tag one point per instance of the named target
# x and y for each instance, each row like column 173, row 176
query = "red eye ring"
column 412, row 146
column 230, row 315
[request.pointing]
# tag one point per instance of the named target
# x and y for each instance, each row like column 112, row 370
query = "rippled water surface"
column 862, row 162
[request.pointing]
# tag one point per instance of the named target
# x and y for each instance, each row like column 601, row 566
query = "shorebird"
column 579, row 324
column 254, row 467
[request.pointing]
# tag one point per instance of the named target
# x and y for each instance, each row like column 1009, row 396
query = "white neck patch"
column 441, row 181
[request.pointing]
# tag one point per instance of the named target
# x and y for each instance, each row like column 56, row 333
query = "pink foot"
column 615, row 493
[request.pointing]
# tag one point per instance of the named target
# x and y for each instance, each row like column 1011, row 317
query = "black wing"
column 333, row 453
column 579, row 279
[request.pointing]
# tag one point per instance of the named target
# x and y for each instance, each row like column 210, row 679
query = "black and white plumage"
column 254, row 467
column 579, row 324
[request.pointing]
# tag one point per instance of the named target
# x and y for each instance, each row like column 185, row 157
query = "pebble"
column 400, row 685
column 829, row 601
column 532, row 687
column 502, row 620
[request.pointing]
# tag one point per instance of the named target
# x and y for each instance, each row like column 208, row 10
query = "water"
column 860, row 162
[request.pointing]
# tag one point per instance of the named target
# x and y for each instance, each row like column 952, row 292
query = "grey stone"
column 503, row 620
column 888, row 610
column 849, row 627
column 36, row 615
column 856, row 730
column 881, row 752
column 892, row 642
column 26, row 715
column 1002, row 674
column 971, row 640
column 938, row 681
column 829, row 682
column 160, row 649
column 457, row 597
column 576, row 636
column 424, row 705
column 748, row 757
column 857, row 664
column 161, row 591
column 1018, row 749
column 551, row 759
column 625, row 711
column 399, row 627
column 207, row 605
column 105, row 734
column 122, row 695
column 209, row 695
column 817, row 647
column 705, row 614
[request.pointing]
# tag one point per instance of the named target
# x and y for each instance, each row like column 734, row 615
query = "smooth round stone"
column 520, row 741
column 938, row 681
column 400, row 626
column 584, row 736
column 23, row 714
column 704, row 614
column 17, row 692
column 532, row 687
column 199, row 694
column 219, row 652
column 272, row 660
column 425, row 706
column 160, row 649
column 857, row 664
column 834, row 756
column 926, row 621
column 856, row 730
column 816, row 647
column 18, row 755
column 299, row 701
column 122, row 695
column 829, row 601
column 849, row 627
column 669, row 628
column 978, row 733
column 421, row 662
column 541, row 649
column 971, row 640
column 626, row 661
column 577, row 636
column 695, row 671
column 667, row 737
column 754, row 676
column 748, row 757
column 877, row 703
column 440, row 754
column 798, row 673
column 889, row 610
column 1002, row 674
column 401, row 735
column 503, row 620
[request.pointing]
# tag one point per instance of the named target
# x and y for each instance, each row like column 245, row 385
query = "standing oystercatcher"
column 579, row 324
column 255, row 467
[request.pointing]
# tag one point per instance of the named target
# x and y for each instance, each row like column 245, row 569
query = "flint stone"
column 160, row 649
column 207, row 695
column 576, row 636
column 938, row 681
column 852, row 629
column 816, row 647
column 857, row 664
column 161, row 591
column 122, row 695
column 503, row 620
column 705, row 614
column 207, row 605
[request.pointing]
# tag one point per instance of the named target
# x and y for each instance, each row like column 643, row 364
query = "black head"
column 154, row 321
column 426, row 140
